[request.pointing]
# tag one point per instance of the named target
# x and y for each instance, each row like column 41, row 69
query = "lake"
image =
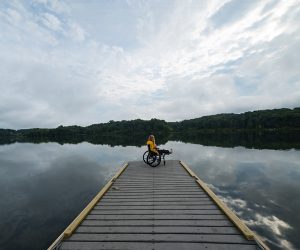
column 44, row 186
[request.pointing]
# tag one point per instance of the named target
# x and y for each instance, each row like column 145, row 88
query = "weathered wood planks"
column 156, row 208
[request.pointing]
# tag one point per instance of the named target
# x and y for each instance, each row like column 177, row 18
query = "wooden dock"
column 167, row 207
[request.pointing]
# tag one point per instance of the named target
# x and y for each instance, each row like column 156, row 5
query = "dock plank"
column 157, row 217
column 161, row 229
column 156, row 211
column 155, row 199
column 215, row 238
column 161, row 207
column 151, row 246
column 202, row 223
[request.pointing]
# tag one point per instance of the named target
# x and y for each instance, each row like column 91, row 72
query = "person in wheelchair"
column 154, row 149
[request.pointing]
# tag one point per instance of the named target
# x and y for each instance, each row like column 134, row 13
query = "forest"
column 231, row 127
column 256, row 120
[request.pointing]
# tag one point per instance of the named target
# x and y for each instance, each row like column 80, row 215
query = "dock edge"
column 248, row 233
column 75, row 223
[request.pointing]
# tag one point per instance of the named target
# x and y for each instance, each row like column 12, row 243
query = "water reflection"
column 270, row 139
column 44, row 186
column 262, row 186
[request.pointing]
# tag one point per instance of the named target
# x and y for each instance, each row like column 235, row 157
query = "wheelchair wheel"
column 145, row 156
column 153, row 160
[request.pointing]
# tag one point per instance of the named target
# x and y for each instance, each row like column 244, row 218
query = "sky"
column 90, row 61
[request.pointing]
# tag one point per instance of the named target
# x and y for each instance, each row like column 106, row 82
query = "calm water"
column 44, row 186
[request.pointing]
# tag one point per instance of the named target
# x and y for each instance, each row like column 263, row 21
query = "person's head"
column 151, row 138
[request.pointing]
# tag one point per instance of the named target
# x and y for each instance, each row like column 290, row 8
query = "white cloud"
column 51, row 21
column 272, row 222
column 276, row 226
column 125, row 58
column 13, row 16
column 76, row 32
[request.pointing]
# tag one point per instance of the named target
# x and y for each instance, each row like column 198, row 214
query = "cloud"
column 276, row 226
column 86, row 63
column 51, row 21
column 76, row 32
column 231, row 11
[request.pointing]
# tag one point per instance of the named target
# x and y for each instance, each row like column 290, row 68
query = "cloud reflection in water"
column 44, row 186
column 261, row 186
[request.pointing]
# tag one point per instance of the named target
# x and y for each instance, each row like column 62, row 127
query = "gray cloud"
column 61, row 65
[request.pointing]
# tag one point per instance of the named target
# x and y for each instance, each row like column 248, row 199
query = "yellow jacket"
column 152, row 146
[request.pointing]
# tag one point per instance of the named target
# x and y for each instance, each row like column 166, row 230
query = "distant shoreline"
column 277, row 128
column 275, row 119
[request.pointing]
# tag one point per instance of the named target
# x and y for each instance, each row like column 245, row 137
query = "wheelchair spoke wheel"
column 153, row 160
column 145, row 156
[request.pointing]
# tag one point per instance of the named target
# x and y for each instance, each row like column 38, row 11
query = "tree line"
column 256, row 120
column 271, row 120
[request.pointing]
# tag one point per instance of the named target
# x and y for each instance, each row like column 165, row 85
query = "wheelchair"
column 153, row 159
